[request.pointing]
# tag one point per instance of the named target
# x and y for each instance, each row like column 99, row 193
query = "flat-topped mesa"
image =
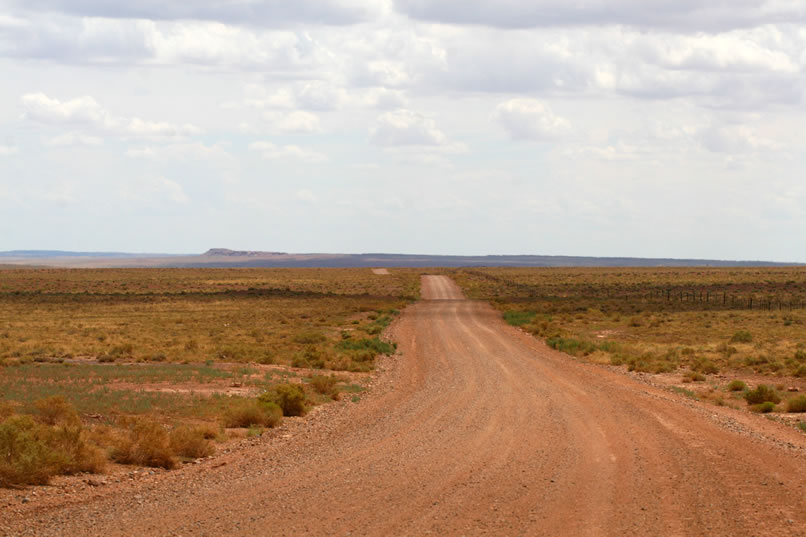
column 239, row 253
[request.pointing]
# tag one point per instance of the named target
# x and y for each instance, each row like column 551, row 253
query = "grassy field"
column 195, row 315
column 695, row 324
column 179, row 348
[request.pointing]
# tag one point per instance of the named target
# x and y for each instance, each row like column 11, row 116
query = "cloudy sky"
column 654, row 128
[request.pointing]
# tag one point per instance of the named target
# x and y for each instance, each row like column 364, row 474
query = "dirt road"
column 477, row 429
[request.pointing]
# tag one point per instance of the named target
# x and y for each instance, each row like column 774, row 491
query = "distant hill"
column 223, row 257
column 239, row 253
column 37, row 254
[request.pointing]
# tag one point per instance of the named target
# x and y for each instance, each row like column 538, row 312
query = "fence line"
column 706, row 298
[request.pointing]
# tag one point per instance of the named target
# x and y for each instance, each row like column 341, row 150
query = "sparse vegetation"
column 150, row 354
column 31, row 451
column 143, row 442
column 518, row 318
column 191, row 442
column 249, row 412
column 796, row 404
column 193, row 315
column 765, row 407
column 736, row 385
column 741, row 336
column 657, row 320
column 762, row 394
column 324, row 384
column 693, row 376
column 290, row 398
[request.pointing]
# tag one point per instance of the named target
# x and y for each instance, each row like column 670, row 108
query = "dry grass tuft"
column 250, row 412
column 143, row 442
column 796, row 404
column 32, row 452
column 191, row 443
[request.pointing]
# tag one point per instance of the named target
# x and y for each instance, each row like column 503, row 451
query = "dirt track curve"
column 477, row 429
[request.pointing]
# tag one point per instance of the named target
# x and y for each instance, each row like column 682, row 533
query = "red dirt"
column 475, row 429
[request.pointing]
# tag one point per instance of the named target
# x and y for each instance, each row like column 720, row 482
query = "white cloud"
column 269, row 13
column 306, row 195
column 310, row 95
column 735, row 139
column 318, row 96
column 195, row 151
column 683, row 15
column 74, row 139
column 296, row 121
column 619, row 151
column 404, row 127
column 530, row 119
column 6, row 150
column 155, row 191
column 736, row 51
column 9, row 21
column 383, row 72
column 40, row 107
column 88, row 112
column 385, row 98
column 258, row 98
column 271, row 151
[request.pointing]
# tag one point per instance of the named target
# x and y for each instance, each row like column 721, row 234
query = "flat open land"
column 474, row 428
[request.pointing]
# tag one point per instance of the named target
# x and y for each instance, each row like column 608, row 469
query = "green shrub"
column 736, row 385
column 802, row 426
column 742, row 336
column 518, row 318
column 796, row 404
column 801, row 371
column 571, row 346
column 765, row 408
column 762, row 394
column 289, row 397
column 246, row 413
column 374, row 345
